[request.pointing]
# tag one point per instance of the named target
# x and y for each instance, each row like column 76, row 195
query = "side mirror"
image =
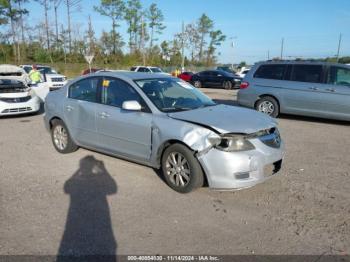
column 131, row 105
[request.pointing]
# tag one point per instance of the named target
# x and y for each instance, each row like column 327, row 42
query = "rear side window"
column 133, row 68
column 271, row 72
column 307, row 73
column 85, row 90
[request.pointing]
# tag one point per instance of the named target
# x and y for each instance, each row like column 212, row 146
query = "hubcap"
column 177, row 169
column 266, row 107
column 197, row 84
column 60, row 137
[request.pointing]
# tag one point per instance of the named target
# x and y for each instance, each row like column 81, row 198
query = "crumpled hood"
column 227, row 119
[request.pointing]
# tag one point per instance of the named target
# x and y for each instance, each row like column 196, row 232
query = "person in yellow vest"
column 35, row 75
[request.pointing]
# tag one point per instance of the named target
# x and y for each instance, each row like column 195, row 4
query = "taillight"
column 244, row 85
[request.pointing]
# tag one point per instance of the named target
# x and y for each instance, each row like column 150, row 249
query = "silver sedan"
column 165, row 123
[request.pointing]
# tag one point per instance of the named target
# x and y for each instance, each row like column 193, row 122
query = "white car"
column 16, row 95
column 148, row 69
column 243, row 72
column 52, row 79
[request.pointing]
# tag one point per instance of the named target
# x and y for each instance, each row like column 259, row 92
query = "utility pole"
column 183, row 47
column 142, row 41
column 282, row 46
column 268, row 54
column 56, row 5
column 339, row 44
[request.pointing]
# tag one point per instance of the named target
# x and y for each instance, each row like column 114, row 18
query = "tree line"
column 53, row 40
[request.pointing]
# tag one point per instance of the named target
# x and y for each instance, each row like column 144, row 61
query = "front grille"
column 15, row 99
column 16, row 110
column 57, row 79
column 272, row 138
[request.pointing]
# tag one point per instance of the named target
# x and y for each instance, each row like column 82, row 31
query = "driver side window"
column 115, row 92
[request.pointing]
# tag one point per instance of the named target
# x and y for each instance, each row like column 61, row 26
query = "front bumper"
column 237, row 170
column 55, row 85
column 31, row 106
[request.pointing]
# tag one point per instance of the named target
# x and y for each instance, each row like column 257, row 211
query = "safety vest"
column 35, row 76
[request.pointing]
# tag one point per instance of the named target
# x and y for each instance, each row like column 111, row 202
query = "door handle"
column 313, row 88
column 330, row 89
column 104, row 115
column 69, row 108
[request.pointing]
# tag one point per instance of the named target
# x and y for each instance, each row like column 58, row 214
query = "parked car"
column 50, row 76
column 316, row 89
column 186, row 76
column 16, row 95
column 215, row 78
column 90, row 71
column 242, row 73
column 166, row 123
column 148, row 69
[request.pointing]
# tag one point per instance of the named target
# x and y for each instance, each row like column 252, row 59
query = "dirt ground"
column 303, row 210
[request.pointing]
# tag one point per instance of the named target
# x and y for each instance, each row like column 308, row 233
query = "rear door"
column 205, row 77
column 123, row 132
column 336, row 93
column 79, row 111
column 301, row 91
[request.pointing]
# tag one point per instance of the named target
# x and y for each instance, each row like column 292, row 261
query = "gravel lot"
column 304, row 210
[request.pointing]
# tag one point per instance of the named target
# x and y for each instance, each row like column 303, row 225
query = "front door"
column 127, row 133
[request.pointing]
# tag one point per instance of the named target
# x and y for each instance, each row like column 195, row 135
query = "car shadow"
column 88, row 234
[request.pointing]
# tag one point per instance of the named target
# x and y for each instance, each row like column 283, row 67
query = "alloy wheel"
column 60, row 137
column 266, row 107
column 177, row 169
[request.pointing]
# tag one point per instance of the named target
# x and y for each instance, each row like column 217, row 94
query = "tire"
column 61, row 138
column 197, row 84
column 268, row 105
column 227, row 85
column 185, row 177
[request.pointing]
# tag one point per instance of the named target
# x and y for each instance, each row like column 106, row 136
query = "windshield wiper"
column 176, row 108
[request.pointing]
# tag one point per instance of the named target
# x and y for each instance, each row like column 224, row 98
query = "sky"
column 310, row 28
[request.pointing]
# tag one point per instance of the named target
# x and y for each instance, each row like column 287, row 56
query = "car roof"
column 131, row 75
column 294, row 62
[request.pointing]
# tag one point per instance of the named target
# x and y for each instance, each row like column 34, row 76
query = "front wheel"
column 181, row 170
column 268, row 105
column 197, row 84
column 61, row 139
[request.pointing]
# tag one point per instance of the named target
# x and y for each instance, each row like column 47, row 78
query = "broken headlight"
column 231, row 143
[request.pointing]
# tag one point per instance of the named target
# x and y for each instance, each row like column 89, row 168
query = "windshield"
column 46, row 70
column 172, row 95
column 156, row 70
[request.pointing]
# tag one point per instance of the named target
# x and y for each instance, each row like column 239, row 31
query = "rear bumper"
column 246, row 99
column 31, row 106
column 237, row 170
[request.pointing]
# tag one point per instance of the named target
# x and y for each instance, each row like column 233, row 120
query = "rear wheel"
column 227, row 85
column 268, row 105
column 181, row 170
column 61, row 139
column 197, row 84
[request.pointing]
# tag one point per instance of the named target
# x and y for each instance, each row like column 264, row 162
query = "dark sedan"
column 215, row 78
